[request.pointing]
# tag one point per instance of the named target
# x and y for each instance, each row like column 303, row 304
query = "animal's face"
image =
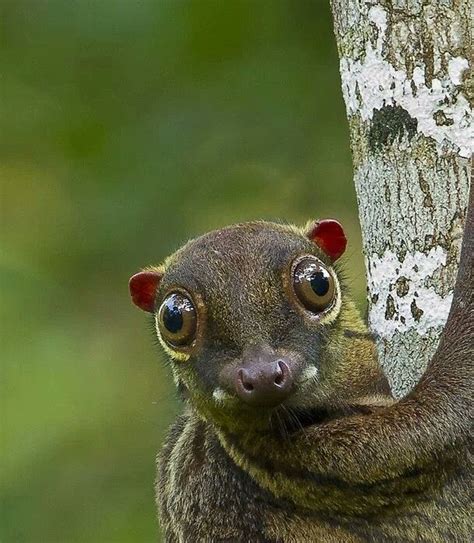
column 249, row 318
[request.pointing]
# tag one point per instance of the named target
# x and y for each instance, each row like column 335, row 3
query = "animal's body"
column 290, row 433
column 203, row 495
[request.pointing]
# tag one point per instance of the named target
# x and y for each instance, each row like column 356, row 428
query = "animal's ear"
column 329, row 236
column 143, row 287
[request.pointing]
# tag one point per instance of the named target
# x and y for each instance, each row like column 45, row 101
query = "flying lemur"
column 289, row 431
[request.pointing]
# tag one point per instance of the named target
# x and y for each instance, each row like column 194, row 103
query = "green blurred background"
column 128, row 127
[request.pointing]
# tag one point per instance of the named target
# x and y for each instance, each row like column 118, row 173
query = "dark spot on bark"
column 387, row 193
column 399, row 192
column 389, row 124
column 416, row 268
column 409, row 64
column 402, row 286
column 429, row 241
column 358, row 94
column 427, row 201
column 428, row 57
column 390, row 309
column 455, row 228
column 416, row 311
column 402, row 320
column 441, row 119
column 375, row 298
column 425, row 189
column 402, row 252
column 443, row 240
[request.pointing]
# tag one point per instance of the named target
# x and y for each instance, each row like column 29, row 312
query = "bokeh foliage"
column 127, row 127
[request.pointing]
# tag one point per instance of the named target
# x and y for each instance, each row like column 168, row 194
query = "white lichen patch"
column 401, row 298
column 441, row 111
column 456, row 67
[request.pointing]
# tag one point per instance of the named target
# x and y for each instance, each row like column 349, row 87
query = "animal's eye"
column 177, row 320
column 313, row 285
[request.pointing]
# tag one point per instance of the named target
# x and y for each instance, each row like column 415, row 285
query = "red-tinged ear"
column 329, row 236
column 143, row 287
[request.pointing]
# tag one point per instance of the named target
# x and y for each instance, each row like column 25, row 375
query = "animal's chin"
column 287, row 420
column 291, row 415
column 281, row 420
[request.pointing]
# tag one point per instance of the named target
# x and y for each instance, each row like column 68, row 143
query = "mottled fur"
column 340, row 461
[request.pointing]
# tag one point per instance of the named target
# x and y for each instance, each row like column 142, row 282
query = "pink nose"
column 263, row 382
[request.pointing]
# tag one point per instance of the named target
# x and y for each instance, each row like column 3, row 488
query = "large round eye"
column 313, row 285
column 177, row 320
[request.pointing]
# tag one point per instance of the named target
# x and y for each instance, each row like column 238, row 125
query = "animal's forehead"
column 237, row 253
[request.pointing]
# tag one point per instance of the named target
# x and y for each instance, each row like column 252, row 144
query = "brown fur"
column 341, row 462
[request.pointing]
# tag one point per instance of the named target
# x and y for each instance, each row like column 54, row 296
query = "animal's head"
column 255, row 317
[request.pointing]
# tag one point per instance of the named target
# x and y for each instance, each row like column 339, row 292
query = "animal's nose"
column 263, row 383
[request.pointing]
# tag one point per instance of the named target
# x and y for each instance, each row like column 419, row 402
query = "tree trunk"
column 404, row 78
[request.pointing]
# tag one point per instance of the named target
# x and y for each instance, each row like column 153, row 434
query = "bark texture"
column 404, row 71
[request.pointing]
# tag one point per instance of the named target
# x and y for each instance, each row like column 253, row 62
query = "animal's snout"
column 265, row 381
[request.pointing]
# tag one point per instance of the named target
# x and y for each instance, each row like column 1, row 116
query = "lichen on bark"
column 404, row 80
